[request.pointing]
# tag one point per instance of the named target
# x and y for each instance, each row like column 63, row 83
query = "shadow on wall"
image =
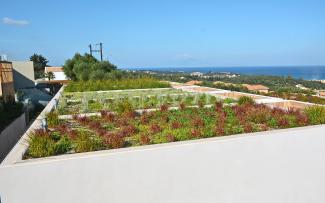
column 22, row 81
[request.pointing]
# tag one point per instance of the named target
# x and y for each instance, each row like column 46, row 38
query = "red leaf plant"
column 220, row 129
column 164, row 108
column 283, row 122
column 144, row 119
column 182, row 106
column 128, row 130
column 195, row 133
column 110, row 117
column 170, row 138
column 62, row 128
column 123, row 121
column 73, row 134
column 129, row 114
column 176, row 125
column 144, row 139
column 83, row 120
column 198, row 122
column 114, row 140
column 302, row 119
column 218, row 106
column 164, row 118
column 248, row 128
column 155, row 128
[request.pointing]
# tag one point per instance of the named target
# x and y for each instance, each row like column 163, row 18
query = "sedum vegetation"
column 126, row 128
column 88, row 102
column 98, row 85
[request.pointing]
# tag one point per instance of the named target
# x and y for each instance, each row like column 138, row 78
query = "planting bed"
column 87, row 102
column 127, row 128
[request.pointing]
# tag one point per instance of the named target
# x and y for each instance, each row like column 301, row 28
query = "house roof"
column 255, row 87
column 54, row 69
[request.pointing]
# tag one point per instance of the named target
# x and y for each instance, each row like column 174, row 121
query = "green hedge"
column 97, row 85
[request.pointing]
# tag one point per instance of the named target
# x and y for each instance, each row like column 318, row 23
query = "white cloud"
column 10, row 21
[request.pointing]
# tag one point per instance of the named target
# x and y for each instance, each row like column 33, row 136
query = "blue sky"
column 167, row 33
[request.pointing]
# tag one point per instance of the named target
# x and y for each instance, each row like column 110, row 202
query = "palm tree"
column 50, row 76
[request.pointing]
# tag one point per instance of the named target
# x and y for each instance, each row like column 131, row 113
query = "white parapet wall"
column 21, row 146
column 275, row 166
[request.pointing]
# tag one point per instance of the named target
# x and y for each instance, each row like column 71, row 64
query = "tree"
column 49, row 75
column 86, row 67
column 39, row 64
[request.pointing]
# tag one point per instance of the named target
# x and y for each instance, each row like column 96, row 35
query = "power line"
column 100, row 50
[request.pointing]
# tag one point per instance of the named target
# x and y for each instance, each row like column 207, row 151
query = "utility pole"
column 90, row 50
column 100, row 50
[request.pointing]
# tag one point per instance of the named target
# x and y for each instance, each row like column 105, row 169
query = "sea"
column 304, row 72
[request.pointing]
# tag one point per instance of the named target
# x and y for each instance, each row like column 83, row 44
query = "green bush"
column 86, row 67
column 86, row 143
column 316, row 114
column 97, row 85
column 245, row 100
column 124, row 106
column 229, row 101
column 52, row 119
column 63, row 145
column 40, row 145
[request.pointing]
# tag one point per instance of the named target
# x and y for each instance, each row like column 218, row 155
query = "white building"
column 199, row 74
column 58, row 73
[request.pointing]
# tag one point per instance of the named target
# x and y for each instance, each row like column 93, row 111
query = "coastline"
column 315, row 73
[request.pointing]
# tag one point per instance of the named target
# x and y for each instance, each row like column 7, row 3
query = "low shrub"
column 52, row 119
column 85, row 142
column 96, row 85
column 124, row 106
column 245, row 100
column 170, row 138
column 40, row 144
column 316, row 114
column 114, row 141
column 144, row 139
column 63, row 145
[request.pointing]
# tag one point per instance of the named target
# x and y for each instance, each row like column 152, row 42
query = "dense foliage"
column 127, row 128
column 86, row 67
column 96, row 85
column 40, row 62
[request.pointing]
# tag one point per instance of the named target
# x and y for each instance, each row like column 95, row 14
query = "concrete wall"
column 283, row 166
column 23, row 74
column 11, row 134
